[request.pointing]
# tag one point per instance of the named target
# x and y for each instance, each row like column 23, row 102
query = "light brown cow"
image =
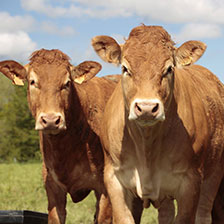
column 67, row 107
column 163, row 126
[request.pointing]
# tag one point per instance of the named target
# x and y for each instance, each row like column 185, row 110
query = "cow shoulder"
column 93, row 96
column 199, row 97
column 113, row 123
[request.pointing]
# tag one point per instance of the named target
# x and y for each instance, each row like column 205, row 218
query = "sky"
column 69, row 25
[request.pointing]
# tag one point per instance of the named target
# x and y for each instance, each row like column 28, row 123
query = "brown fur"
column 72, row 157
column 49, row 57
column 179, row 155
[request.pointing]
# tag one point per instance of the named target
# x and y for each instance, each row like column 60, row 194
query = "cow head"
column 50, row 79
column 148, row 59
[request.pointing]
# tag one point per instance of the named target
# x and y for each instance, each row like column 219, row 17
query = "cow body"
column 73, row 159
column 68, row 108
column 165, row 142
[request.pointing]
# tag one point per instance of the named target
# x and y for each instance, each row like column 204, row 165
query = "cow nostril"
column 44, row 121
column 155, row 109
column 57, row 121
column 138, row 108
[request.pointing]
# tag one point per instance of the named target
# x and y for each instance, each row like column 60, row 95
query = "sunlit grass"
column 21, row 188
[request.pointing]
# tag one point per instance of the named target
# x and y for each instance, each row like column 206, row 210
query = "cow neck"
column 153, row 134
column 146, row 135
column 150, row 142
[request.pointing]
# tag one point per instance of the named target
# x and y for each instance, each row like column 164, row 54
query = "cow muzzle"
column 147, row 112
column 51, row 123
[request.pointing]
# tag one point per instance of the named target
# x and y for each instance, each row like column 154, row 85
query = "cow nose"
column 147, row 110
column 50, row 121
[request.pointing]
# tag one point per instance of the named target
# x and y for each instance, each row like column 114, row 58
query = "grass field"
column 21, row 188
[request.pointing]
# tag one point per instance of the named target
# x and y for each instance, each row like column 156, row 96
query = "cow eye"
column 32, row 82
column 125, row 71
column 168, row 71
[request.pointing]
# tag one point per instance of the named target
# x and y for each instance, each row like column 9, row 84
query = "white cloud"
column 170, row 11
column 52, row 29
column 175, row 11
column 15, row 42
column 17, row 46
column 197, row 32
column 14, row 24
column 46, row 7
column 207, row 13
column 74, row 10
column 43, row 7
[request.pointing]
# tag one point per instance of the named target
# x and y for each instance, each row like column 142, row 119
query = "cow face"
column 148, row 60
column 50, row 79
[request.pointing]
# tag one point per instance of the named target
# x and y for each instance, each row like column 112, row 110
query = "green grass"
column 21, row 188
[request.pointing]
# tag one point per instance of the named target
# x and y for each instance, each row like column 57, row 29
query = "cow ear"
column 14, row 71
column 107, row 48
column 189, row 52
column 85, row 71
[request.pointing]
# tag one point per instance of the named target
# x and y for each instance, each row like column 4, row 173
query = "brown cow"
column 163, row 126
column 67, row 107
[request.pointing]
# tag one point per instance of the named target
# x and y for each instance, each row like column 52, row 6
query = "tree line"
column 18, row 139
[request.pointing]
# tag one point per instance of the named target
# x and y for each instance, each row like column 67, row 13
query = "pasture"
column 22, row 188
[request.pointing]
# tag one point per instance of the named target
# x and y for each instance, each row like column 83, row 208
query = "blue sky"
column 69, row 25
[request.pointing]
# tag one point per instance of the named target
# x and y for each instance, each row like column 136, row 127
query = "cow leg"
column 187, row 198
column 120, row 198
column 56, row 202
column 137, row 209
column 209, row 191
column 166, row 212
column 218, row 207
column 103, row 213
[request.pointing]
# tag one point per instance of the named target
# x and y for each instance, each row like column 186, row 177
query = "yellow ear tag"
column 187, row 61
column 18, row 81
column 80, row 79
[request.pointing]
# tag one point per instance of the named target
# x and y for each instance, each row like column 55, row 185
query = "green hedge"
column 18, row 139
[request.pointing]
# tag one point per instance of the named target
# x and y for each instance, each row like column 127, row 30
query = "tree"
column 6, row 90
column 18, row 139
